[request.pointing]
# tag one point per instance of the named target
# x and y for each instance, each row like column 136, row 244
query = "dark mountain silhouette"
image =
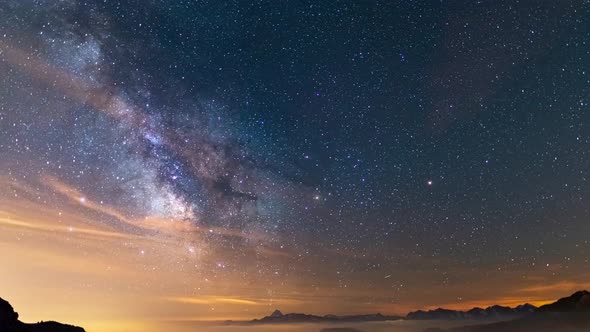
column 579, row 301
column 495, row 312
column 276, row 314
column 569, row 314
column 278, row 317
column 9, row 322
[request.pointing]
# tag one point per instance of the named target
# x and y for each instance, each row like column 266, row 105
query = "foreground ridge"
column 9, row 322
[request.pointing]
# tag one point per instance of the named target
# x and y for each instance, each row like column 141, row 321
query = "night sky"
column 198, row 160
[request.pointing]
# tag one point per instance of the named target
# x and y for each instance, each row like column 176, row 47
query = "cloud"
column 213, row 300
column 561, row 287
column 12, row 220
column 81, row 199
column 32, row 213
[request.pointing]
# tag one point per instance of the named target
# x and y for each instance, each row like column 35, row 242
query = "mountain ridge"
column 278, row 317
column 9, row 322
column 568, row 314
column 491, row 312
column 579, row 301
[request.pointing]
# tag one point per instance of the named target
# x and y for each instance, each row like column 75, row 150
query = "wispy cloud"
column 147, row 223
column 213, row 300
column 246, row 301
column 562, row 287
column 80, row 198
column 9, row 220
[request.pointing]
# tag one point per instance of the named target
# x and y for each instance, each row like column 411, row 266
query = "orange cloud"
column 213, row 300
column 560, row 287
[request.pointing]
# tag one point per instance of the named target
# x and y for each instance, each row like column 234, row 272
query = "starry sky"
column 165, row 161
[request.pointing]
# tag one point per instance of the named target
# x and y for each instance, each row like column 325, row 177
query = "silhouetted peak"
column 580, row 295
column 527, row 307
column 579, row 301
column 7, row 313
column 277, row 314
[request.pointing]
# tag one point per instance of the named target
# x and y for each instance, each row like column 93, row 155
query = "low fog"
column 568, row 322
column 389, row 326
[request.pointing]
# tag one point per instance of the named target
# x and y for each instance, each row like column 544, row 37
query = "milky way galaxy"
column 170, row 161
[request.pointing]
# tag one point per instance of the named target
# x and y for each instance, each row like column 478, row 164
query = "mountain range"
column 278, row 317
column 495, row 312
column 568, row 314
column 577, row 302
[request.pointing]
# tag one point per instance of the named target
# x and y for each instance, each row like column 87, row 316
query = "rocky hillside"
column 9, row 322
